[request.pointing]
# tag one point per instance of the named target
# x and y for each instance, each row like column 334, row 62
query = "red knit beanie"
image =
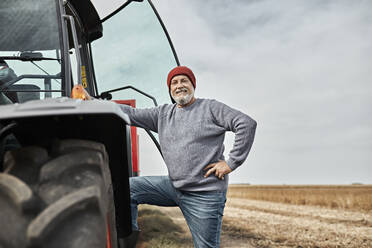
column 181, row 70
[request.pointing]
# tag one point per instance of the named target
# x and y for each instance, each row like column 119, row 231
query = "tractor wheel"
column 60, row 199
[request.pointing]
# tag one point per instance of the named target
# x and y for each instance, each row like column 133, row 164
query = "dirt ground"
column 252, row 223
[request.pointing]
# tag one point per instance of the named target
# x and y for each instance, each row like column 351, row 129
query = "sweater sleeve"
column 242, row 125
column 146, row 118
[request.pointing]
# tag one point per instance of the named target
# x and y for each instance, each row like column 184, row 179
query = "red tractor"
column 65, row 163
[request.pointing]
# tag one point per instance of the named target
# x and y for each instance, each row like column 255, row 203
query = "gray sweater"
column 192, row 137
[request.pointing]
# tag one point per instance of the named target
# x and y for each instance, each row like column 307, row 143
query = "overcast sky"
column 302, row 69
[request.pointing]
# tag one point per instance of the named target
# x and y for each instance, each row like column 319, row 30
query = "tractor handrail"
column 107, row 95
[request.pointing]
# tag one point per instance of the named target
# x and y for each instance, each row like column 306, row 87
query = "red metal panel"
column 108, row 233
column 134, row 151
column 131, row 102
column 134, row 138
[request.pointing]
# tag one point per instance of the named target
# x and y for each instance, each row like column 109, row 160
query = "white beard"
column 184, row 99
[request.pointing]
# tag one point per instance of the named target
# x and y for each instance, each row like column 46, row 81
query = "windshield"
column 134, row 51
column 30, row 64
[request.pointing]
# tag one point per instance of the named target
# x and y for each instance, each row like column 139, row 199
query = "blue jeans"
column 203, row 210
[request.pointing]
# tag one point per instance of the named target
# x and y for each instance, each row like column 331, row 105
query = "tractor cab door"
column 134, row 51
column 135, row 54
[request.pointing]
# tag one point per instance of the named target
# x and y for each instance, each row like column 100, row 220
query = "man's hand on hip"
column 220, row 169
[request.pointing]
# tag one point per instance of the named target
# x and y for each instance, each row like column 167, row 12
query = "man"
column 191, row 134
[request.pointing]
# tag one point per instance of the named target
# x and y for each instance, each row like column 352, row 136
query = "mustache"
column 181, row 90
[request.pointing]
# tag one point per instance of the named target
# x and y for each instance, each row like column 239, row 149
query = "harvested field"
column 258, row 223
column 357, row 197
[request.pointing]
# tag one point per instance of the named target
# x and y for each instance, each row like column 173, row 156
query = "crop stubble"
column 285, row 216
column 357, row 197
column 302, row 216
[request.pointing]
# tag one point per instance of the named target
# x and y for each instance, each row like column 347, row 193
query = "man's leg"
column 154, row 190
column 203, row 212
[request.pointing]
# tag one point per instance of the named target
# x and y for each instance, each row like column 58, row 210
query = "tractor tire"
column 61, row 198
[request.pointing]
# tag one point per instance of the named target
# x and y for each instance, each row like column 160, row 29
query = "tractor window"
column 30, row 64
column 134, row 51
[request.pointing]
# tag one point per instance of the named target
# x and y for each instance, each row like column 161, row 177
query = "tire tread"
column 68, row 190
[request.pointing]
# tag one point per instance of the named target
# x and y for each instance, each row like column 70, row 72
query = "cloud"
column 301, row 68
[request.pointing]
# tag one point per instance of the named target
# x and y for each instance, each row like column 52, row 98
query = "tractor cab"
column 117, row 51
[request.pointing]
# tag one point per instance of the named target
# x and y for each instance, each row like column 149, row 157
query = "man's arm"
column 145, row 118
column 244, row 128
